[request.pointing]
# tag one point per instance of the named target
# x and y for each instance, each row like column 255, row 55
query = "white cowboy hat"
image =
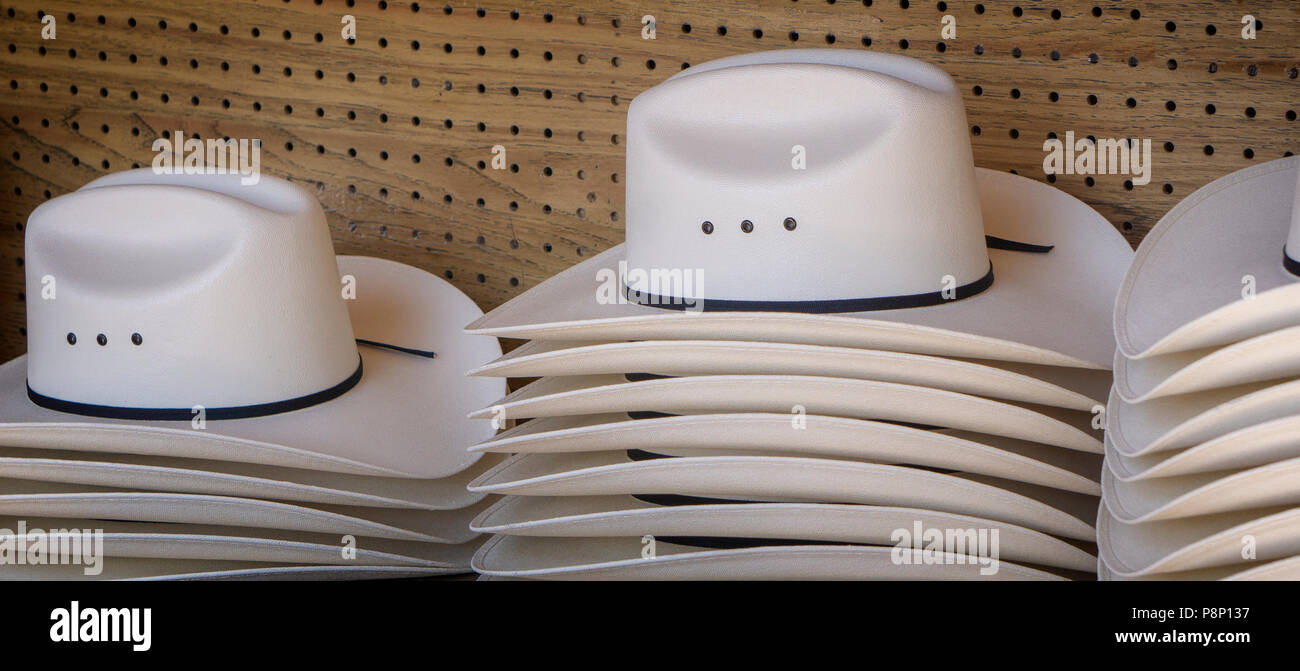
column 605, row 516
column 1179, row 422
column 131, row 568
column 793, row 479
column 1136, row 501
column 153, row 540
column 862, row 399
column 1189, row 544
column 621, row 559
column 1238, row 235
column 1073, row 388
column 776, row 434
column 1271, row 356
column 45, row 499
column 157, row 301
column 1252, row 446
column 829, row 197
column 226, row 478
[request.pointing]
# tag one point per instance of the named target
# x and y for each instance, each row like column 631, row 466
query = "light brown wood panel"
column 387, row 130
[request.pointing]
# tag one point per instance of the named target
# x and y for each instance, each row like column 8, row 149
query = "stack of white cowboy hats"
column 1203, row 435
column 829, row 348
column 217, row 395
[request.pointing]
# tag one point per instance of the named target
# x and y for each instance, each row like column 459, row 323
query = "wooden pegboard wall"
column 394, row 131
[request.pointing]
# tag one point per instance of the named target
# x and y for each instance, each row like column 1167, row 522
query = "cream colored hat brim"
column 790, row 479
column 1169, row 546
column 1178, row 422
column 620, row 559
column 1184, row 289
column 773, row 434
column 152, row 540
column 226, row 478
column 412, row 406
column 862, row 399
column 1283, row 569
column 1271, row 356
column 1252, row 446
column 131, row 568
column 605, row 516
column 1052, row 308
column 1201, row 493
column 42, row 499
column 1073, row 388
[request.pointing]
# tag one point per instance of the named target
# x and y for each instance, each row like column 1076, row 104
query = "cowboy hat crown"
column 764, row 171
column 150, row 294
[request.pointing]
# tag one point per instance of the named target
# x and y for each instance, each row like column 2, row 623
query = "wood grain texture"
column 394, row 132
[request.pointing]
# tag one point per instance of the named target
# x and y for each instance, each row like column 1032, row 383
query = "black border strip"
column 185, row 414
column 813, row 307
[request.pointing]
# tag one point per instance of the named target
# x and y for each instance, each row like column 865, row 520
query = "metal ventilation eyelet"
column 747, row 226
column 136, row 339
column 72, row 338
column 707, row 227
column 790, row 223
column 101, row 339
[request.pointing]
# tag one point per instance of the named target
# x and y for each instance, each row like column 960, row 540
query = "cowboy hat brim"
column 1189, row 544
column 774, row 434
column 1283, row 569
column 1184, row 290
column 1197, row 494
column 225, row 478
column 131, row 568
column 621, row 559
column 44, row 499
column 862, row 399
column 1072, row 388
column 1179, row 422
column 413, row 406
column 790, row 479
column 1250, row 447
column 1052, row 309
column 606, row 516
column 153, row 540
column 1271, row 356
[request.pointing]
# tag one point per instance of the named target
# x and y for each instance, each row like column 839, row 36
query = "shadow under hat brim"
column 1072, row 388
column 772, row 434
column 1184, row 289
column 404, row 418
column 792, row 479
column 1052, row 308
column 621, row 559
column 613, row 516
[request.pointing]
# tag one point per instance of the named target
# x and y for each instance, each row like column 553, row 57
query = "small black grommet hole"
column 707, row 227
column 101, row 339
column 747, row 226
column 136, row 339
column 72, row 338
column 790, row 223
